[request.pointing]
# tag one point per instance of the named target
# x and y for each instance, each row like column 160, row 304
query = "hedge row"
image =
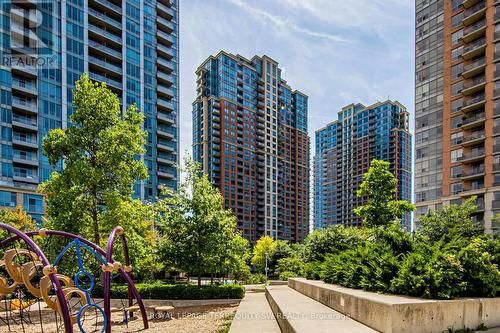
column 180, row 291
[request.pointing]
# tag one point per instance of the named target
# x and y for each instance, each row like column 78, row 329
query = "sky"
column 335, row 51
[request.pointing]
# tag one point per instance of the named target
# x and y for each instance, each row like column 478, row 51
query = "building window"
column 33, row 203
column 8, row 199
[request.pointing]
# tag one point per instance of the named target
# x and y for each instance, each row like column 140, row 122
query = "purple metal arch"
column 127, row 278
column 107, row 279
column 55, row 281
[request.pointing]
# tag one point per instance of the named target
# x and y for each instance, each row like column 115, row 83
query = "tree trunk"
column 199, row 279
column 211, row 278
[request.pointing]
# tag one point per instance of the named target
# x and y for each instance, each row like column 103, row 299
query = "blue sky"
column 335, row 51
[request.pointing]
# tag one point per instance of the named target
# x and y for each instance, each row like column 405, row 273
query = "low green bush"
column 256, row 278
column 442, row 262
column 180, row 291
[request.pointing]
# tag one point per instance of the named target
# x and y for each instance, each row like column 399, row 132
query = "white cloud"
column 282, row 23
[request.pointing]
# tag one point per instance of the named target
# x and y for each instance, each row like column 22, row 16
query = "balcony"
column 474, row 68
column 474, row 103
column 474, row 49
column 26, row 123
column 24, row 141
column 108, row 35
column 29, row 159
column 164, row 24
column 474, row 155
column 29, row 71
column 164, row 160
column 166, row 132
column 105, row 50
column 474, row 173
column 109, row 81
column 166, row 118
column 163, row 10
column 25, row 105
column 473, row 138
column 163, row 146
column 474, row 13
column 105, row 19
column 168, row 39
column 24, row 177
column 25, row 87
column 165, row 105
column 165, row 175
column 473, row 121
column 21, row 34
column 474, row 186
column 470, row 3
column 165, row 91
column 109, row 5
column 165, row 64
column 165, row 51
column 105, row 66
column 474, row 85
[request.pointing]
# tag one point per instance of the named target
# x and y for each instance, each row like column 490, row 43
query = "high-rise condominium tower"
column 344, row 150
column 45, row 45
column 457, row 111
column 250, row 135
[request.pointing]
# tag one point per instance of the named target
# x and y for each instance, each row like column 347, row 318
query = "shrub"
column 481, row 276
column 370, row 266
column 312, row 270
column 334, row 239
column 257, row 278
column 284, row 276
column 181, row 291
column 430, row 272
column 292, row 266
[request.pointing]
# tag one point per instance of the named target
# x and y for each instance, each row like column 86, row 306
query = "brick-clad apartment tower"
column 457, row 110
column 344, row 150
column 250, row 135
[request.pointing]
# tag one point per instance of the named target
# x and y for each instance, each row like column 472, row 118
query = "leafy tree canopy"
column 450, row 222
column 99, row 154
column 379, row 187
column 197, row 234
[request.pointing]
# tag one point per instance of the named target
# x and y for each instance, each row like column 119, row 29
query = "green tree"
column 453, row 221
column 379, row 186
column 197, row 234
column 99, row 154
column 18, row 219
column 264, row 245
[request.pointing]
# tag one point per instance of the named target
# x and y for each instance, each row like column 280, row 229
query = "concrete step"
column 278, row 283
column 254, row 315
column 297, row 313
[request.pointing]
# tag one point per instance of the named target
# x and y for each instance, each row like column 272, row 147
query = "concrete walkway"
column 298, row 313
column 254, row 315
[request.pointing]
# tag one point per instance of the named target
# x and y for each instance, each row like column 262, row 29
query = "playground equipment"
column 66, row 286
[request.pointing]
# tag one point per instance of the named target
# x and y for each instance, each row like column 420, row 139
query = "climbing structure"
column 55, row 271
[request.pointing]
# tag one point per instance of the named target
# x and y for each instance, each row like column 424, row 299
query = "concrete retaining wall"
column 401, row 314
column 178, row 303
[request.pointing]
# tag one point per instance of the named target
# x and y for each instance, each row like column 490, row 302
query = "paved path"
column 254, row 315
column 301, row 314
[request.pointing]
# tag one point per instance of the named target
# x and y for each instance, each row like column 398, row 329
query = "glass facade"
column 344, row 150
column 131, row 45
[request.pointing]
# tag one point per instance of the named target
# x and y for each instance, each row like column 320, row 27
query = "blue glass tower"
column 45, row 45
column 344, row 150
